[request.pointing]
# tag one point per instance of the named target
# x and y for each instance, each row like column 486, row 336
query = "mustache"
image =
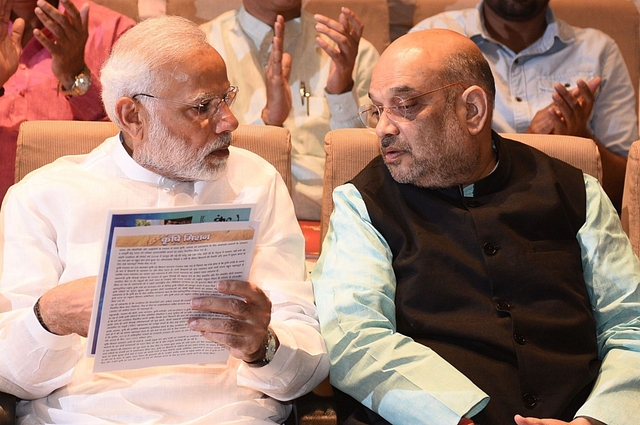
column 387, row 141
column 223, row 140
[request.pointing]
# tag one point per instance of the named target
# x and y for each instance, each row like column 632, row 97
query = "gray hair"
column 151, row 44
column 470, row 68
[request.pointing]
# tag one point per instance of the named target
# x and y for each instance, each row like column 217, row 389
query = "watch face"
column 83, row 82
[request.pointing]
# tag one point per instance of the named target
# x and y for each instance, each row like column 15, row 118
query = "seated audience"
column 50, row 56
column 467, row 278
column 553, row 78
column 167, row 90
column 309, row 78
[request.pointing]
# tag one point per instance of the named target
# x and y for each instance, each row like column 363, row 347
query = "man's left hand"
column 345, row 33
column 520, row 420
column 245, row 330
column 70, row 32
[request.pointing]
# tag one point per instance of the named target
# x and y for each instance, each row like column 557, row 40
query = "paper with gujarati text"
column 151, row 270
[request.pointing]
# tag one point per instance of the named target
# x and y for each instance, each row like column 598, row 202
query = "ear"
column 477, row 107
column 132, row 120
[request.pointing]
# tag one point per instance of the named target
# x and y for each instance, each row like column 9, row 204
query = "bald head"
column 432, row 94
column 436, row 57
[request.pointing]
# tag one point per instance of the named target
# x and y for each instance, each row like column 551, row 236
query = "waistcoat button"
column 529, row 400
column 490, row 249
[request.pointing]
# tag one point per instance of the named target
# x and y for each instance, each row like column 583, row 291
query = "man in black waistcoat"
column 471, row 279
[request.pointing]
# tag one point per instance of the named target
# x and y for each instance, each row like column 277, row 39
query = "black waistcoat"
column 494, row 283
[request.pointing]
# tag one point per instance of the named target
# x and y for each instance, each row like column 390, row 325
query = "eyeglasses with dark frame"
column 206, row 107
column 400, row 111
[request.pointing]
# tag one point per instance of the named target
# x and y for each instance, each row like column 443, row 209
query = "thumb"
column 17, row 30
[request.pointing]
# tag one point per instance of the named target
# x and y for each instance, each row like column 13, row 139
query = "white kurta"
column 51, row 227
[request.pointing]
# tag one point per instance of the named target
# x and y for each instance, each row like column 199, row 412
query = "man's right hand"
column 66, row 309
column 10, row 45
column 277, row 73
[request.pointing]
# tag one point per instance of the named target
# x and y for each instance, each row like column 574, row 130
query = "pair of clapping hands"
column 345, row 33
column 66, row 309
column 65, row 37
column 569, row 112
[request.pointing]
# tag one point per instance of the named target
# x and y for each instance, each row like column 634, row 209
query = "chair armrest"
column 7, row 409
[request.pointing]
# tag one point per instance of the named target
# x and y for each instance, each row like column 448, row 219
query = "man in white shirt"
column 309, row 78
column 167, row 90
column 553, row 78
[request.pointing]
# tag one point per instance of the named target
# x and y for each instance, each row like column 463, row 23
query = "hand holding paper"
column 244, row 331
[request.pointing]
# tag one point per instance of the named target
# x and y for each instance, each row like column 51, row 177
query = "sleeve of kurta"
column 612, row 275
column 34, row 361
column 344, row 107
column 301, row 361
column 354, row 286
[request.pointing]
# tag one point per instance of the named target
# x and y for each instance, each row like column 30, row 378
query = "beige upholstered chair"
column 631, row 198
column 373, row 13
column 620, row 19
column 41, row 142
column 350, row 150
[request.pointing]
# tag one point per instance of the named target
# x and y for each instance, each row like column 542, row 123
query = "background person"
column 310, row 78
column 552, row 78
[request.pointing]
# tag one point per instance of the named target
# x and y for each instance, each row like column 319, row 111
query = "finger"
column 71, row 10
column 219, row 327
column 585, row 93
column 352, row 21
column 594, row 83
column 46, row 42
column 564, row 101
column 245, row 290
column 278, row 27
column 84, row 17
column 233, row 307
column 286, row 66
column 49, row 14
column 17, row 31
column 329, row 49
column 6, row 10
column 277, row 48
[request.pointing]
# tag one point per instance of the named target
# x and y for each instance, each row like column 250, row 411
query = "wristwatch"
column 270, row 345
column 81, row 84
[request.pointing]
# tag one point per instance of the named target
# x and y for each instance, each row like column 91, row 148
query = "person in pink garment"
column 50, row 57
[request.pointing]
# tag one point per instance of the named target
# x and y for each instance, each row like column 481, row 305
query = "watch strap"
column 270, row 346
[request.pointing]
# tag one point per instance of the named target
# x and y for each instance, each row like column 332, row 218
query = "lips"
column 391, row 154
column 221, row 152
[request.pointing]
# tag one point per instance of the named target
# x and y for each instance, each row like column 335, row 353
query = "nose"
column 385, row 126
column 227, row 121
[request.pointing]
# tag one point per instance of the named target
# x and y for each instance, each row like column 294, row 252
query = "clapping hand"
column 70, row 32
column 345, row 33
column 10, row 45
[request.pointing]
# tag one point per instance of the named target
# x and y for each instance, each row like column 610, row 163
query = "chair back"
column 42, row 142
column 630, row 215
column 620, row 19
column 374, row 13
column 350, row 150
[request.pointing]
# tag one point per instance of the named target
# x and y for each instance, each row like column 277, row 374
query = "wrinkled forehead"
column 403, row 74
column 201, row 70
